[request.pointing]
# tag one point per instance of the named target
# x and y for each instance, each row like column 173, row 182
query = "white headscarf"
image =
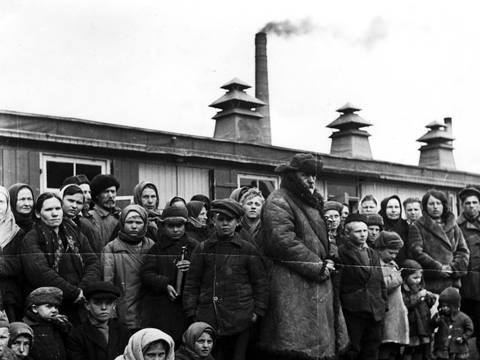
column 142, row 339
column 8, row 226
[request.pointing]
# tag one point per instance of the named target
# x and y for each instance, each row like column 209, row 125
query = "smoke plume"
column 376, row 31
column 287, row 28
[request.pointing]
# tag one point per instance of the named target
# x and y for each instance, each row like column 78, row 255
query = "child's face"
column 21, row 346
column 388, row 255
column 100, row 309
column 133, row 224
column 373, row 232
column 415, row 279
column 45, row 311
column 444, row 309
column 156, row 351
column 4, row 336
column 203, row 346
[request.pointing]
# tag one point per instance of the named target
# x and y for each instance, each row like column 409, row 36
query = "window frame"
column 45, row 157
column 275, row 179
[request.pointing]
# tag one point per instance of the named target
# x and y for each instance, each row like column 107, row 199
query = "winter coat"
column 302, row 304
column 395, row 327
column 158, row 271
column 75, row 271
column 433, row 246
column 449, row 329
column 86, row 342
column 8, row 354
column 471, row 282
column 226, row 284
column 106, row 223
column 362, row 288
column 418, row 314
column 198, row 234
column 121, row 263
column 93, row 236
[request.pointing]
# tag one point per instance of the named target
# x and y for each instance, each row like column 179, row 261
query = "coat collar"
column 213, row 240
column 429, row 224
column 468, row 224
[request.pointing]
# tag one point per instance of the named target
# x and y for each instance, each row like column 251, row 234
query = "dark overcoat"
column 471, row 282
column 433, row 246
column 449, row 329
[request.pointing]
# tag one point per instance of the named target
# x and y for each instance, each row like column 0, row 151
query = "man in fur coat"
column 304, row 319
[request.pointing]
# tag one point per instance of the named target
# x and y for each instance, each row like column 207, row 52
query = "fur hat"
column 307, row 163
column 450, row 296
column 374, row 219
column 101, row 290
column 101, row 182
column 227, row 207
column 468, row 191
column 174, row 214
column 388, row 240
column 44, row 295
column 333, row 205
column 356, row 217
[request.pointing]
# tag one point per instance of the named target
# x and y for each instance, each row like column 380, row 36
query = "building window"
column 266, row 184
column 54, row 169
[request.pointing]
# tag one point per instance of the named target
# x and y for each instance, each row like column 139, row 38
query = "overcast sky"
column 158, row 64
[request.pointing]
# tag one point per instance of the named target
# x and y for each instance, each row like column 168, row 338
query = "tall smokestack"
column 261, row 85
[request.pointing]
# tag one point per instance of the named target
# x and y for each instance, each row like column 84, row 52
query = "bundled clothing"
column 194, row 228
column 142, row 339
column 434, row 245
column 153, row 230
column 24, row 221
column 106, row 223
column 122, row 260
column 187, row 349
column 158, row 271
column 450, row 327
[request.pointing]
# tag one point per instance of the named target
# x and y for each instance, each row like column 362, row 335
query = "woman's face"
column 3, row 205
column 72, row 205
column 434, row 207
column 393, row 209
column 149, row 199
column 24, row 201
column 133, row 224
column 202, row 217
column 51, row 213
column 369, row 207
column 253, row 207
column 203, row 346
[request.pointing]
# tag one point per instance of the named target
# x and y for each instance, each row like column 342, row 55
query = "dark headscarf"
column 127, row 237
column 400, row 226
column 24, row 221
column 194, row 331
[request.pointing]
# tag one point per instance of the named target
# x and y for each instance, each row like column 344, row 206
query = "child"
column 5, row 352
column 197, row 343
column 454, row 327
column 49, row 327
column 375, row 225
column 100, row 337
column 21, row 340
column 395, row 327
column 418, row 302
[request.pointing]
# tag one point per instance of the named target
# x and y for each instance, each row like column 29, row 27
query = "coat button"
column 215, row 298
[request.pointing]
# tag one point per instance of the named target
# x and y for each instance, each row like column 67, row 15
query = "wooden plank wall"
column 20, row 165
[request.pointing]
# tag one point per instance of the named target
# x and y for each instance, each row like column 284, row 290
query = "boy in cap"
column 454, row 327
column 49, row 327
column 100, row 337
column 362, row 290
column 21, row 340
column 375, row 225
column 226, row 285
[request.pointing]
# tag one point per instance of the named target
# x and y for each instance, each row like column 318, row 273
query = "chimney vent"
column 261, row 85
column 349, row 140
column 438, row 150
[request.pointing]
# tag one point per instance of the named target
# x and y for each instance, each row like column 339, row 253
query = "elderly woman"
column 437, row 243
column 54, row 253
column 149, row 344
column 145, row 194
column 21, row 203
column 10, row 266
column 197, row 342
column 197, row 224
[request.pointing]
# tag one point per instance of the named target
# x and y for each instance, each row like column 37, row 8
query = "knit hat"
column 174, row 214
column 19, row 328
column 227, row 207
column 101, row 290
column 101, row 182
column 333, row 205
column 374, row 219
column 194, row 208
column 468, row 191
column 450, row 296
column 409, row 267
column 44, row 295
column 388, row 240
column 355, row 217
column 307, row 163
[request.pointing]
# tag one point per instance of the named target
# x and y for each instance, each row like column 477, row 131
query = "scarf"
column 400, row 226
column 293, row 184
column 25, row 221
column 122, row 235
column 141, row 340
column 190, row 336
column 8, row 226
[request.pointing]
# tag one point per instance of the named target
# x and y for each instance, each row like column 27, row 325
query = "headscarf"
column 19, row 328
column 24, row 221
column 141, row 340
column 400, row 226
column 137, row 196
column 191, row 335
column 8, row 226
column 143, row 214
column 194, row 209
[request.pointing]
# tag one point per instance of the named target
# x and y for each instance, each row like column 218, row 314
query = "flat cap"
column 44, row 295
column 333, row 205
column 101, row 182
column 101, row 290
column 374, row 219
column 356, row 217
column 174, row 214
column 468, row 191
column 388, row 240
column 227, row 207
column 307, row 163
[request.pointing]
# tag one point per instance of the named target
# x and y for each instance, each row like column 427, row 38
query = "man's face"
column 471, row 206
column 72, row 205
column 21, row 346
column 106, row 198
column 393, row 209
column 307, row 179
column 413, row 211
column 225, row 225
column 357, row 232
column 87, row 194
column 100, row 309
column 334, row 217
column 4, row 336
column 174, row 230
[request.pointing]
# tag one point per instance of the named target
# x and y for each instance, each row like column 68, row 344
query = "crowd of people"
column 287, row 277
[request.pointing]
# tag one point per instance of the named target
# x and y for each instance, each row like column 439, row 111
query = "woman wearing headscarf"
column 391, row 212
column 10, row 265
column 122, row 260
column 148, row 343
column 145, row 194
column 21, row 340
column 196, row 226
column 197, row 342
column 21, row 203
